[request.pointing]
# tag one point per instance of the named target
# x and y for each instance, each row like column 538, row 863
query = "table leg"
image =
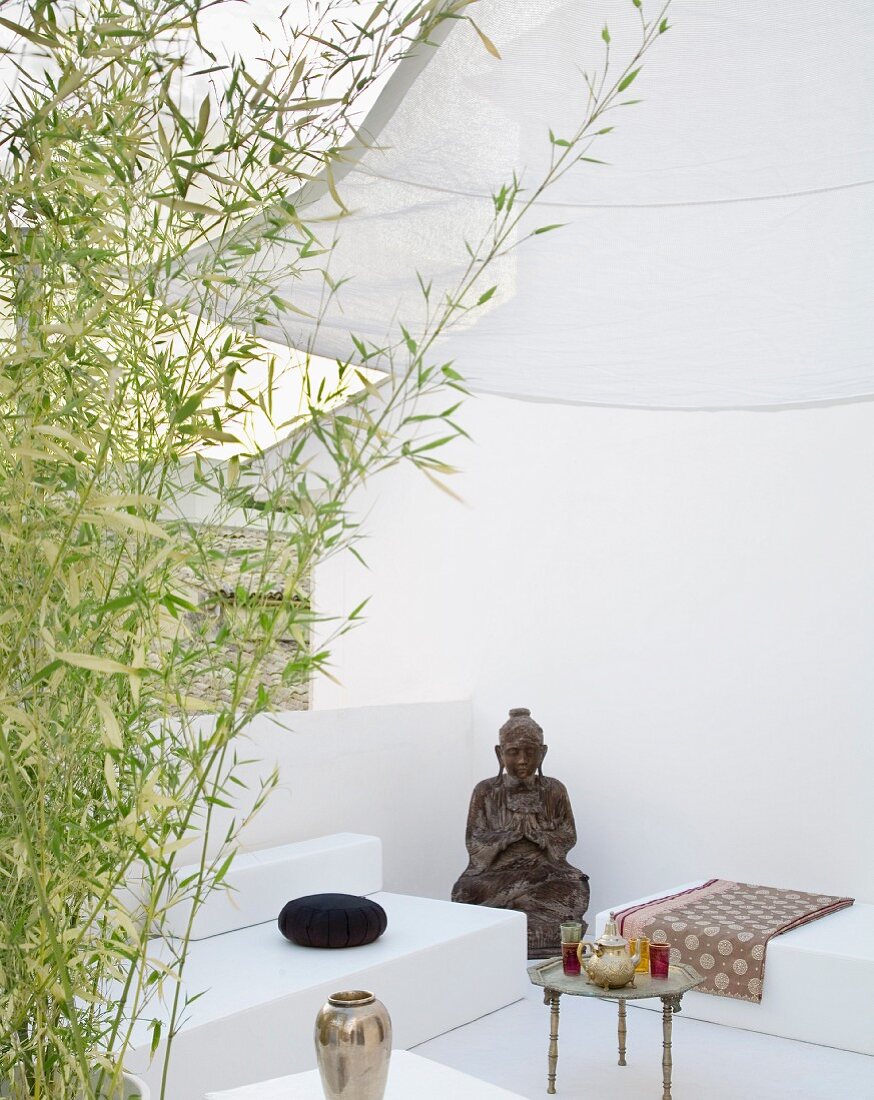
column 552, row 998
column 670, row 1005
column 667, row 1064
column 623, row 1031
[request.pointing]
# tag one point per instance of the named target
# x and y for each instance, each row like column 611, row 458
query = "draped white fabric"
column 721, row 259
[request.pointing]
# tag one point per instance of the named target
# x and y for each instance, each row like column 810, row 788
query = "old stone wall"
column 235, row 580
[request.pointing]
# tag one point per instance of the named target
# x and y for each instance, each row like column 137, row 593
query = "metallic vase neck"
column 351, row 998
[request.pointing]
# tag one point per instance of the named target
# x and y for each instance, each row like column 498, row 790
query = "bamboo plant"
column 111, row 395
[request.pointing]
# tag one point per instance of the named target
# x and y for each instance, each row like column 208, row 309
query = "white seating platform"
column 437, row 966
column 410, row 1078
column 819, row 981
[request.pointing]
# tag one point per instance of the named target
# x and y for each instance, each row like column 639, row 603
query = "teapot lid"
column 611, row 937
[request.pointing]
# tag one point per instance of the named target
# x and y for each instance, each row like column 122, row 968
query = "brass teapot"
column 608, row 962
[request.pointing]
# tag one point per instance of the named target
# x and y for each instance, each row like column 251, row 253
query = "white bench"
column 819, row 982
column 437, row 966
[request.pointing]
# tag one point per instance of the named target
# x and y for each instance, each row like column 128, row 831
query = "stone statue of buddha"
column 520, row 828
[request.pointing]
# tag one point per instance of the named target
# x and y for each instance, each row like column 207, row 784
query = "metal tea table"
column 555, row 982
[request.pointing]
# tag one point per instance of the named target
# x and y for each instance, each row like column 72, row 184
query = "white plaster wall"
column 402, row 773
column 686, row 602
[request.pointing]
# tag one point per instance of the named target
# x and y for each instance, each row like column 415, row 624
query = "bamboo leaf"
column 369, row 388
column 70, row 83
column 175, row 203
column 215, row 435
column 111, row 729
column 19, row 716
column 287, row 306
column 170, row 847
column 31, row 36
column 332, row 187
column 203, row 118
column 623, row 84
column 484, row 38
column 56, row 431
column 123, row 500
column 93, row 662
column 127, row 522
column 441, row 485
column 110, row 777
column 311, row 104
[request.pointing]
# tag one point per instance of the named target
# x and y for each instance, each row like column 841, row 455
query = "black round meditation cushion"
column 332, row 920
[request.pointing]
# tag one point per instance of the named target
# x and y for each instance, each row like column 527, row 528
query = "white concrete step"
column 259, row 883
column 438, row 965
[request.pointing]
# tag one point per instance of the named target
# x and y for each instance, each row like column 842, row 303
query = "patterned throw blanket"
column 722, row 928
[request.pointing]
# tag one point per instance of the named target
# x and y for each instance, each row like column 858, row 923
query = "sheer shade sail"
column 722, row 258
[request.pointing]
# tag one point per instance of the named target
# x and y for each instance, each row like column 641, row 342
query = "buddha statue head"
column 521, row 749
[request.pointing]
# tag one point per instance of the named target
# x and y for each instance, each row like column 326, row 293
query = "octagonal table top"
column 550, row 975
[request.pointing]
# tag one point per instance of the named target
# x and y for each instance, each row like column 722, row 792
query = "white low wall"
column 685, row 601
column 402, row 773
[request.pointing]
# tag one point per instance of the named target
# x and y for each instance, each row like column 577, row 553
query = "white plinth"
column 410, row 1078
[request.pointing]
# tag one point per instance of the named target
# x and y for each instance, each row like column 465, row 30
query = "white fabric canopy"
column 721, row 259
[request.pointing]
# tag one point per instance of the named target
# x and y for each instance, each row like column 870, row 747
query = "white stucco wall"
column 402, row 773
column 685, row 601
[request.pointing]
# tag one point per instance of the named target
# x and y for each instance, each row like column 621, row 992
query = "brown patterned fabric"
column 722, row 929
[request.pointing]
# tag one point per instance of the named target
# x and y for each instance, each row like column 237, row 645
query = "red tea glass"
column 571, row 934
column 659, row 960
column 570, row 960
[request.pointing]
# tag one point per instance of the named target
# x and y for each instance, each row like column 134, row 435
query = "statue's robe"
column 510, row 871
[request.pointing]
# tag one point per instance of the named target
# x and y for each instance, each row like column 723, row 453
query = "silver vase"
column 353, row 1046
